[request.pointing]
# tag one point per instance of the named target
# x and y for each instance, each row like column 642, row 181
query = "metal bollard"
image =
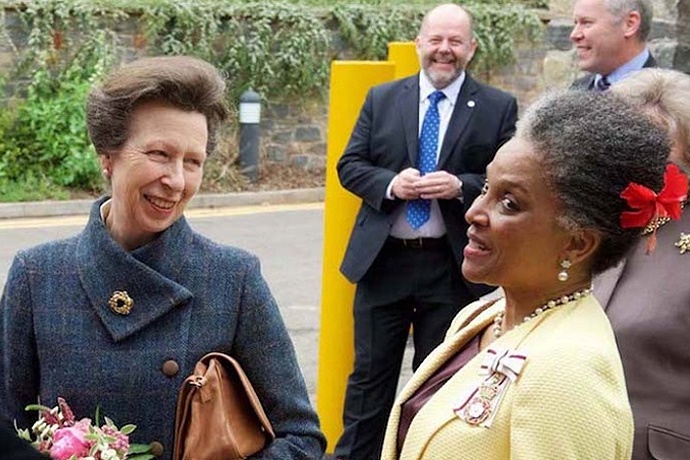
column 250, row 115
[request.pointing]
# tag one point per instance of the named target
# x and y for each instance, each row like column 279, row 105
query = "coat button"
column 171, row 368
column 156, row 448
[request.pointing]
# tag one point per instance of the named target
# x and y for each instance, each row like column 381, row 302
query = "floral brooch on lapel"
column 683, row 243
column 121, row 303
column 499, row 369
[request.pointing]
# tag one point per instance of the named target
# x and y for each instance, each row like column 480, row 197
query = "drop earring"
column 563, row 274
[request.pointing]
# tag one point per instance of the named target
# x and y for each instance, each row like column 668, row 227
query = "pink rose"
column 69, row 441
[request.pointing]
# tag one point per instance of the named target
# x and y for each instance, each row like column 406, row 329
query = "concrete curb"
column 203, row 201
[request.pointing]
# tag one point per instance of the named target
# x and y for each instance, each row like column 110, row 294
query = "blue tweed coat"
column 191, row 296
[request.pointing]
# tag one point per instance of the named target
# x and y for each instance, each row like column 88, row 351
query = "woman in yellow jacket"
column 536, row 374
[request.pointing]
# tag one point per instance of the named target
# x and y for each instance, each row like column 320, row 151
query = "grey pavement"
column 209, row 201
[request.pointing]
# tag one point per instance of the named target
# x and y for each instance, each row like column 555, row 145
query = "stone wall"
column 295, row 133
column 681, row 58
column 552, row 63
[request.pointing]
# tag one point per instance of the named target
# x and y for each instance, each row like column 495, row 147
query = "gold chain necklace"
column 498, row 320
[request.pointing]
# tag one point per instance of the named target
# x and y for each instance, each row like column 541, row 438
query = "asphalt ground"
column 215, row 200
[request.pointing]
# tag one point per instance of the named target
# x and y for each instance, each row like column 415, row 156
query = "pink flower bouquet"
column 58, row 434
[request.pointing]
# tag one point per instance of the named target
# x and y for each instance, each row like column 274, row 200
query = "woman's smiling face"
column 156, row 172
column 514, row 236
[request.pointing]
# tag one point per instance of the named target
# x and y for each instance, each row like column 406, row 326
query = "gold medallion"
column 121, row 303
column 477, row 410
column 479, row 406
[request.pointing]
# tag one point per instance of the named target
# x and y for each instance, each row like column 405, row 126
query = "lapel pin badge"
column 121, row 303
column 471, row 104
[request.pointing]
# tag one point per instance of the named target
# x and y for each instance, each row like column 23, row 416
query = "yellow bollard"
column 350, row 82
column 404, row 55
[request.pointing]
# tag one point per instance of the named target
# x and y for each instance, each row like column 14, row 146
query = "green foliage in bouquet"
column 58, row 433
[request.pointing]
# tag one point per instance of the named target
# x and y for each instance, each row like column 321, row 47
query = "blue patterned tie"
column 418, row 210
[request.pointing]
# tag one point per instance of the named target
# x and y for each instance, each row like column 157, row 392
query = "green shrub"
column 48, row 134
column 45, row 145
column 278, row 49
column 369, row 28
column 31, row 188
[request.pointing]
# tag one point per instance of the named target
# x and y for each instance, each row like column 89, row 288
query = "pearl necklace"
column 498, row 320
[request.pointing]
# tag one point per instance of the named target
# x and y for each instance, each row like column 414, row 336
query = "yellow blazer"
column 569, row 401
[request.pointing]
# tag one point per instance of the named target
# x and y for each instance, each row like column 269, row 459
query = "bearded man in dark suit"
column 417, row 158
column 611, row 40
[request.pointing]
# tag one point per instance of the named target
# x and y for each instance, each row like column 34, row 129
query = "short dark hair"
column 591, row 146
column 185, row 82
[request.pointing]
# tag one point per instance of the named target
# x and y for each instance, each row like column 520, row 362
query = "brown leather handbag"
column 218, row 414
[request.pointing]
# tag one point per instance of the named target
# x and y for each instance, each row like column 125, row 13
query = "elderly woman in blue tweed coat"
column 117, row 316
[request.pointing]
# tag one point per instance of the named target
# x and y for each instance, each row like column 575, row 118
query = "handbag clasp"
column 198, row 381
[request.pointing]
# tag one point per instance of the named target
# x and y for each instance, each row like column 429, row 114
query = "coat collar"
column 146, row 273
column 408, row 104
column 605, row 283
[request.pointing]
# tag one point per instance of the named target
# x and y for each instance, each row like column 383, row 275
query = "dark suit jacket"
column 384, row 142
column 586, row 83
column 647, row 299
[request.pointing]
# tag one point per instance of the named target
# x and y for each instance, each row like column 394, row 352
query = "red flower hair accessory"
column 649, row 207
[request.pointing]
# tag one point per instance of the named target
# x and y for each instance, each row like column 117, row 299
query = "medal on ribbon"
column 498, row 370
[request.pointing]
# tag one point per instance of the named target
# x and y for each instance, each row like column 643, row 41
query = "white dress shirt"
column 434, row 227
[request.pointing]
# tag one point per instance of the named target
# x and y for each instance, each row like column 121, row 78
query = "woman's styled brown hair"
column 185, row 82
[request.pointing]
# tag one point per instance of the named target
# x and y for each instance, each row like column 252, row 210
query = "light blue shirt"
column 620, row 73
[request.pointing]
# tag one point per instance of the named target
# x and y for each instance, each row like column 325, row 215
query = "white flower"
column 109, row 454
column 46, row 432
column 38, row 425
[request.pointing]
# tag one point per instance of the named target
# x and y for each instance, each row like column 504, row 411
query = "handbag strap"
column 231, row 364
column 182, row 414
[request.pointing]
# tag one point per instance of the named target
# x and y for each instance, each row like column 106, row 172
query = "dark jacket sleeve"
column 358, row 171
column 19, row 364
column 264, row 349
